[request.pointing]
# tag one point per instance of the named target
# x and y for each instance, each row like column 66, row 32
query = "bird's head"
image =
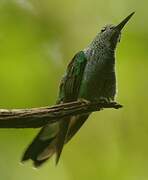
column 110, row 34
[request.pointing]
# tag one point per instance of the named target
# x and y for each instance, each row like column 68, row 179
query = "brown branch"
column 38, row 117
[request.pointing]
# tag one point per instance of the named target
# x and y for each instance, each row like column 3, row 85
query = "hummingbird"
column 91, row 76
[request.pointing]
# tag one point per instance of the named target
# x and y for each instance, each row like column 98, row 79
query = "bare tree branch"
column 38, row 117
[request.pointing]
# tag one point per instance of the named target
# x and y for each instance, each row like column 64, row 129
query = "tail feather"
column 52, row 138
column 75, row 125
column 63, row 129
column 68, row 128
column 39, row 163
column 43, row 146
column 36, row 148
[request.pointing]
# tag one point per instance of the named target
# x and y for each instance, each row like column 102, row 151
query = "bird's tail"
column 43, row 146
column 68, row 127
column 75, row 124
column 52, row 138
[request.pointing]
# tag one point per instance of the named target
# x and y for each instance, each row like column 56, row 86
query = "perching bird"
column 91, row 76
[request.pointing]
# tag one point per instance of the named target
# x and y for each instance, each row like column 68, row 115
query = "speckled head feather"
column 110, row 34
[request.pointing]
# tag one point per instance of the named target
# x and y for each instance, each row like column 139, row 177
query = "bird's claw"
column 117, row 106
column 104, row 100
column 85, row 101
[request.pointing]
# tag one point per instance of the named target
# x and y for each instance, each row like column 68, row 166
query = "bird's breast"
column 99, row 78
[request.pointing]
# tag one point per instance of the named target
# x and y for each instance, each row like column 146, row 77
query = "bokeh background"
column 37, row 40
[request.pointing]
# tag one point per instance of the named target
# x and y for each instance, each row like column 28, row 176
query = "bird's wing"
column 69, row 90
column 70, row 84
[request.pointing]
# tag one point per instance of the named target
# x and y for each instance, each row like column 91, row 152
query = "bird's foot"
column 104, row 100
column 110, row 101
column 82, row 100
column 117, row 105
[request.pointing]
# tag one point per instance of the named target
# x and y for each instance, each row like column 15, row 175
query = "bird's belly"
column 98, row 83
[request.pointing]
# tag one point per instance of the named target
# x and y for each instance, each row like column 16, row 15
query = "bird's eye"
column 103, row 29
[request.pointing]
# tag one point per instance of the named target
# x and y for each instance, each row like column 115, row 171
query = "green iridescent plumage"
column 71, row 82
column 91, row 76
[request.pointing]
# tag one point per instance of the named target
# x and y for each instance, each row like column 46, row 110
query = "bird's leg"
column 108, row 100
column 104, row 100
column 85, row 101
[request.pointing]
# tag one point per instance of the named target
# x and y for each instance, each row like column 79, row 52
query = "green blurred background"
column 37, row 40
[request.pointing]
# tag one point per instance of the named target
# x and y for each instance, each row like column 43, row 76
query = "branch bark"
column 38, row 117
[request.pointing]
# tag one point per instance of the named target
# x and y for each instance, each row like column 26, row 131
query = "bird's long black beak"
column 120, row 26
